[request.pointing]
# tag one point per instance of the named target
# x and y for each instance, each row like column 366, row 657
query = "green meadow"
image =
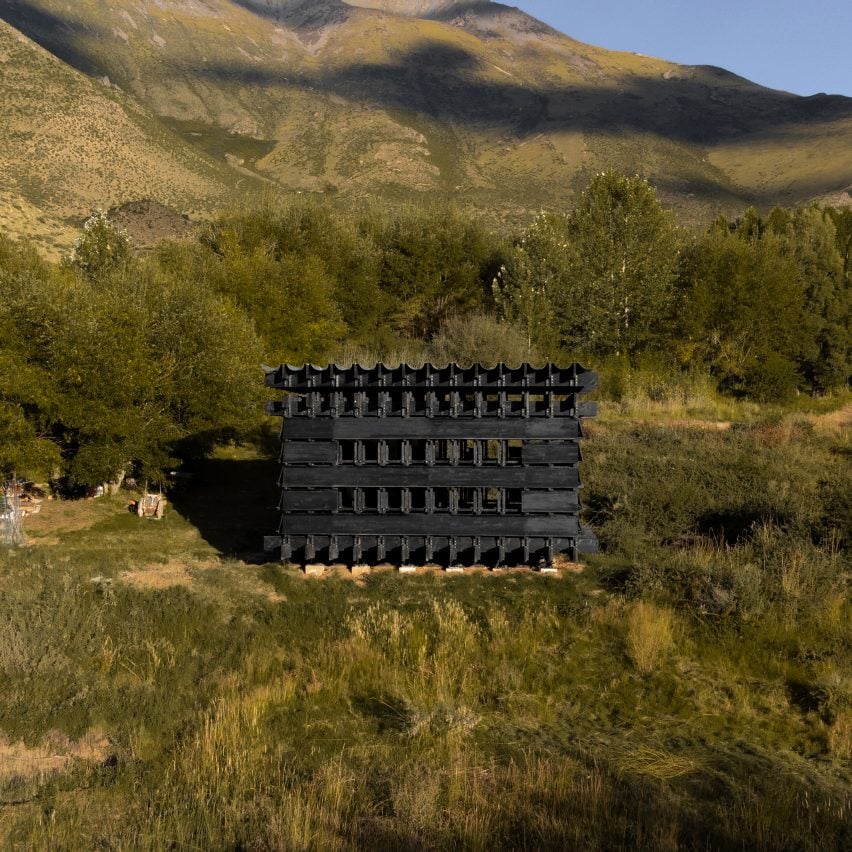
column 161, row 687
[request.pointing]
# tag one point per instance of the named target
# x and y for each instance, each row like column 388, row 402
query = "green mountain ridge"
column 476, row 101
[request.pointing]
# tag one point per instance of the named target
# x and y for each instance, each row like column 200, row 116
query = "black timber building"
column 450, row 465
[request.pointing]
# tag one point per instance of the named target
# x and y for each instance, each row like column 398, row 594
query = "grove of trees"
column 111, row 361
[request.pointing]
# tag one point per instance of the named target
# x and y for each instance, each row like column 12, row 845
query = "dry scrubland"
column 690, row 689
column 484, row 104
column 69, row 144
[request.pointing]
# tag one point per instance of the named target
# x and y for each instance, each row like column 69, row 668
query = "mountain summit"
column 412, row 99
column 418, row 8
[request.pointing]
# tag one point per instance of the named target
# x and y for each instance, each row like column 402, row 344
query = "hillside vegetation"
column 425, row 101
column 69, row 144
column 115, row 363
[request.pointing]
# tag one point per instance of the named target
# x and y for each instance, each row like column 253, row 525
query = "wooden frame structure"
column 449, row 465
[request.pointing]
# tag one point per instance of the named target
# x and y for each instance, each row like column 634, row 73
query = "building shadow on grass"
column 735, row 526
column 232, row 502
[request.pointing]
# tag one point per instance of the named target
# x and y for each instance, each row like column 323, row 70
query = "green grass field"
column 691, row 688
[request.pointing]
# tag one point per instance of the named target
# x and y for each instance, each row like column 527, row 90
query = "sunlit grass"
column 690, row 689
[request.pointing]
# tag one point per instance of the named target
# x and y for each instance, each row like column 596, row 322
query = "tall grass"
column 691, row 689
column 649, row 635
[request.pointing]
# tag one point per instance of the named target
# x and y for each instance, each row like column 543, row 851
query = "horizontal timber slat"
column 443, row 476
column 449, row 428
column 550, row 453
column 305, row 452
column 550, row 501
column 423, row 524
column 309, row 501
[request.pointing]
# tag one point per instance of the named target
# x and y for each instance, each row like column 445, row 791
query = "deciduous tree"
column 623, row 260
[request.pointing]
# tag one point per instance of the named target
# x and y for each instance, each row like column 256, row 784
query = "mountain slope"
column 69, row 143
column 422, row 98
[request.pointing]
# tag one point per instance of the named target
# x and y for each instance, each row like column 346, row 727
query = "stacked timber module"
column 448, row 465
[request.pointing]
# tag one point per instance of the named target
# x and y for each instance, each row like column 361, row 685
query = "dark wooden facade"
column 448, row 465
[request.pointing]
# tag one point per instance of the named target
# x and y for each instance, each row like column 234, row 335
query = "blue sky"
column 801, row 46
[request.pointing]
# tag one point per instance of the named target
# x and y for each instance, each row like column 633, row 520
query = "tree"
column 22, row 450
column 207, row 356
column 307, row 230
column 842, row 220
column 435, row 263
column 289, row 297
column 824, row 355
column 25, row 440
column 527, row 286
column 623, row 260
column 741, row 309
column 124, row 374
column 809, row 237
column 102, row 248
column 338, row 250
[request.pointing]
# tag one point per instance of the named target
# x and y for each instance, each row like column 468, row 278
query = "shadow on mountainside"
column 447, row 84
column 53, row 33
column 444, row 82
column 302, row 14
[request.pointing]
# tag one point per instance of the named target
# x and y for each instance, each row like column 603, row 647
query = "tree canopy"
column 111, row 361
column 102, row 376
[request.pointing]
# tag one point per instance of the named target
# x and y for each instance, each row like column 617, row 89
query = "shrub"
column 772, row 378
column 649, row 635
column 467, row 339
